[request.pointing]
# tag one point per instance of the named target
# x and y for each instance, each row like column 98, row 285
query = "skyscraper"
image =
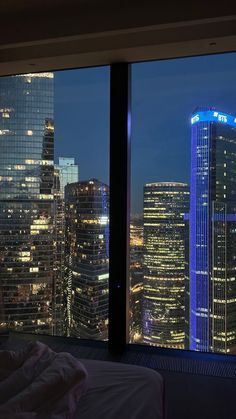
column 136, row 278
column 68, row 172
column 165, row 263
column 213, row 232
column 59, row 299
column 87, row 258
column 27, row 221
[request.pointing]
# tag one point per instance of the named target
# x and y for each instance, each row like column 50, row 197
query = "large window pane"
column 183, row 216
column 54, row 203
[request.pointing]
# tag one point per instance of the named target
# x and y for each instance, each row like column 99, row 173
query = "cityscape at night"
column 54, row 206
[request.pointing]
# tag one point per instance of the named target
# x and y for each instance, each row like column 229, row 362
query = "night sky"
column 164, row 94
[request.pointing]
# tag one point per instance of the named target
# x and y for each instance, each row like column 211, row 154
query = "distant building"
column 69, row 172
column 136, row 278
column 87, row 258
column 66, row 172
column 165, row 263
column 59, row 300
column 213, row 232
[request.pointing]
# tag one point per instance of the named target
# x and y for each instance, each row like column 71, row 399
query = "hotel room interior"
column 120, row 373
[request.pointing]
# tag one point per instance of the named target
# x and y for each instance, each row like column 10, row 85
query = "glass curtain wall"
column 54, row 203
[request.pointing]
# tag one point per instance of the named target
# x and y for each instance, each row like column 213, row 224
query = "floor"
column 199, row 397
column 195, row 388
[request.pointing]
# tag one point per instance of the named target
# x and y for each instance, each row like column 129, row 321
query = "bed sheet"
column 121, row 391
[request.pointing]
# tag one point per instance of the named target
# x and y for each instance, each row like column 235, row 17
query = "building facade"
column 136, row 278
column 59, row 301
column 87, row 258
column 165, row 263
column 68, row 172
column 27, row 208
column 213, row 232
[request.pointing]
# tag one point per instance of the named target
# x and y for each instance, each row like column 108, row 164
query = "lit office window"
column 54, row 203
column 183, row 215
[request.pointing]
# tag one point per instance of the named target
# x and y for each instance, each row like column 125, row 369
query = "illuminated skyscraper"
column 136, row 278
column 27, row 208
column 87, row 258
column 213, row 232
column 165, row 263
column 59, row 300
column 68, row 171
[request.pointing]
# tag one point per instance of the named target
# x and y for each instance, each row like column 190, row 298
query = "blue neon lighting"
column 214, row 116
column 199, row 239
column 226, row 217
column 192, row 260
column 105, row 212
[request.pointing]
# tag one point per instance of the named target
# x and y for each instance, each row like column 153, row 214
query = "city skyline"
column 55, row 205
column 164, row 95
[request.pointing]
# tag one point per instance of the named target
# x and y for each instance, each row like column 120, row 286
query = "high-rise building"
column 213, row 232
column 59, row 300
column 136, row 278
column 165, row 263
column 27, row 208
column 68, row 171
column 87, row 258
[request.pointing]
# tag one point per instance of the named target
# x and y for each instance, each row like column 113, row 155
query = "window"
column 54, row 203
column 55, row 200
column 182, row 231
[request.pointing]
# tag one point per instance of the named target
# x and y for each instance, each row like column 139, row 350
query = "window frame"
column 120, row 86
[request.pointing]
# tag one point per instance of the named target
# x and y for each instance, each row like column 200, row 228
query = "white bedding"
column 36, row 382
column 121, row 391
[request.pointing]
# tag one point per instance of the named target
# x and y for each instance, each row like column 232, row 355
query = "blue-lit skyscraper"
column 213, row 232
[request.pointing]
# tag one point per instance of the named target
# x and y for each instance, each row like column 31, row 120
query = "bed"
column 121, row 391
column 36, row 381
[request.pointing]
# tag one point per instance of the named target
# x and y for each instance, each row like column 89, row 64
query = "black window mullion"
column 120, row 124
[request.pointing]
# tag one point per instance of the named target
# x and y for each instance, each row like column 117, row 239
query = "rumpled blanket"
column 38, row 383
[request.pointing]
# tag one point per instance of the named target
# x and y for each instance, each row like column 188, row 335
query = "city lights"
column 54, row 227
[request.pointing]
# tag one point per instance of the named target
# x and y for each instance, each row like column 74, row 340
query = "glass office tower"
column 87, row 258
column 165, row 263
column 213, row 232
column 27, row 241
column 68, row 171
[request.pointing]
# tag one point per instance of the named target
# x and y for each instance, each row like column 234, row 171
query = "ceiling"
column 50, row 34
column 31, row 20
